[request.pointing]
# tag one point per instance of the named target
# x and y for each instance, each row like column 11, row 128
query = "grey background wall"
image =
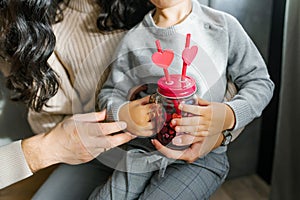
column 13, row 124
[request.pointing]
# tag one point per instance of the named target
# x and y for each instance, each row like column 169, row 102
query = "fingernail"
column 177, row 140
column 173, row 122
column 180, row 106
column 123, row 125
column 133, row 136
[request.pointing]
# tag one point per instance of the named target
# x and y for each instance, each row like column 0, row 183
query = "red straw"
column 188, row 40
column 159, row 49
column 158, row 46
column 184, row 67
column 167, row 75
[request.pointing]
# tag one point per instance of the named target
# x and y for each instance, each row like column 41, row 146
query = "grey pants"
column 149, row 179
column 76, row 182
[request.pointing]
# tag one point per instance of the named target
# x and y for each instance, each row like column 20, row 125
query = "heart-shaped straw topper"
column 188, row 55
column 163, row 59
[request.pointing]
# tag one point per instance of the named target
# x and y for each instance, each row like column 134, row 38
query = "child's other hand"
column 199, row 147
column 203, row 129
column 138, row 115
column 209, row 118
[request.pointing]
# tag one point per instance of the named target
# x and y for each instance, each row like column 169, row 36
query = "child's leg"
column 122, row 185
column 128, row 183
column 189, row 181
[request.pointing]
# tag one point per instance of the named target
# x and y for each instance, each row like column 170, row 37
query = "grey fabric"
column 180, row 180
column 220, row 39
column 73, row 182
column 204, row 2
column 286, row 173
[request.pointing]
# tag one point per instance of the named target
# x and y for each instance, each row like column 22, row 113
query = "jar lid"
column 176, row 88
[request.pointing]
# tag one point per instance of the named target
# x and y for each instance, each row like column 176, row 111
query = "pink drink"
column 170, row 95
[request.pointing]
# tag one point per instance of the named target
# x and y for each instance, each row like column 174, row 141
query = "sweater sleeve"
column 247, row 69
column 115, row 90
column 231, row 91
column 13, row 166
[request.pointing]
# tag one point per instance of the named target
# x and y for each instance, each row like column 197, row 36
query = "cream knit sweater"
column 81, row 59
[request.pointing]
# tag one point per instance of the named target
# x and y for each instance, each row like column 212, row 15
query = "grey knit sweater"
column 225, row 51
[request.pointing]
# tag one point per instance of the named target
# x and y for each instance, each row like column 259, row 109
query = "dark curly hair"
column 122, row 14
column 27, row 41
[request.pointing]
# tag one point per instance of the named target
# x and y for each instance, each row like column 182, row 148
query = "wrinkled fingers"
column 100, row 129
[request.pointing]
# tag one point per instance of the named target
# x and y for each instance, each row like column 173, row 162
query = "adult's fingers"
column 100, row 129
column 90, row 117
column 170, row 153
column 194, row 152
column 114, row 140
column 112, row 127
column 96, row 145
column 190, row 154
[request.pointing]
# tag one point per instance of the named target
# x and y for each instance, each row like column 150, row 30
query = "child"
column 225, row 51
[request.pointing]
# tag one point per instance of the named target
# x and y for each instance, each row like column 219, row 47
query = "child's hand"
column 138, row 115
column 203, row 130
column 209, row 118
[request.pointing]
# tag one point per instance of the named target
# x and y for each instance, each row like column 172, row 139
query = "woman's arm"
column 13, row 166
column 76, row 140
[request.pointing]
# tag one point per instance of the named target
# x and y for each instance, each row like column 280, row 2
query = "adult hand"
column 138, row 115
column 196, row 150
column 75, row 140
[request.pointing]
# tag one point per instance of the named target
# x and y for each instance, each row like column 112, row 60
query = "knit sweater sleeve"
column 115, row 90
column 13, row 166
column 247, row 69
